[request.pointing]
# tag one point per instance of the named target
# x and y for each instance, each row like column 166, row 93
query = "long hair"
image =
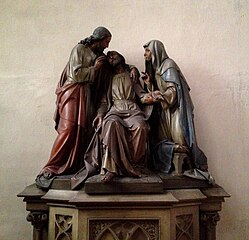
column 98, row 34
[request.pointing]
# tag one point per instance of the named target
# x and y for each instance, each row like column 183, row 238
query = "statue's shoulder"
column 166, row 64
column 79, row 48
column 170, row 63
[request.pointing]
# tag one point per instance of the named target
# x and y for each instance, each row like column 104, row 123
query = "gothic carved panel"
column 119, row 229
column 184, row 227
column 63, row 227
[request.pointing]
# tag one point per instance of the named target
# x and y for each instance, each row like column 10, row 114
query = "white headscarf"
column 158, row 53
column 160, row 59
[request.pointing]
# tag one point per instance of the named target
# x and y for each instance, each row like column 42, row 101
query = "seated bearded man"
column 124, row 128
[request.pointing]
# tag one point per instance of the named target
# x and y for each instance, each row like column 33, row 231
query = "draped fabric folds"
column 175, row 119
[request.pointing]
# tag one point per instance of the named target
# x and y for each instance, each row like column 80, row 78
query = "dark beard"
column 99, row 51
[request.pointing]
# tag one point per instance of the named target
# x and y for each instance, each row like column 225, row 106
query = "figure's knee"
column 142, row 126
column 66, row 126
column 112, row 123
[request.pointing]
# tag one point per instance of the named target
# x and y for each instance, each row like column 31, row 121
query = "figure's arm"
column 169, row 86
column 134, row 73
column 145, row 97
column 149, row 97
column 82, row 70
column 170, row 94
column 147, row 81
column 102, row 110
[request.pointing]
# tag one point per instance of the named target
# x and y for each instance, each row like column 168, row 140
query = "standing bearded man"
column 75, row 106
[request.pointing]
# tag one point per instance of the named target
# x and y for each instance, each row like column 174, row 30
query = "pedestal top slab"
column 82, row 199
column 60, row 195
column 188, row 194
column 113, row 200
column 31, row 191
column 145, row 184
column 216, row 191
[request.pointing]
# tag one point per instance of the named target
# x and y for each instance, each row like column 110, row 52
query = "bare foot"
column 108, row 177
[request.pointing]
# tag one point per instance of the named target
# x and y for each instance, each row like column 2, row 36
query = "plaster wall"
column 209, row 41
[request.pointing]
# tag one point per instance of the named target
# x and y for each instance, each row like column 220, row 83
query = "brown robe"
column 124, row 130
column 121, row 146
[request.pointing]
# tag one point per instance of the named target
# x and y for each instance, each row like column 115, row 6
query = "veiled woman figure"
column 172, row 123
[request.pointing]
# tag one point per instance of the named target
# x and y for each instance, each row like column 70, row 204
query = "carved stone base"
column 105, row 217
column 177, row 214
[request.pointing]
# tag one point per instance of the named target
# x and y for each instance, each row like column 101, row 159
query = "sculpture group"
column 114, row 123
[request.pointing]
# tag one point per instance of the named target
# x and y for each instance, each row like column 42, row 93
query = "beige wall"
column 209, row 41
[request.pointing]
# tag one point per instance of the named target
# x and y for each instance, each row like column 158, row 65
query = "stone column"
column 39, row 221
column 208, row 222
column 38, row 211
column 209, row 209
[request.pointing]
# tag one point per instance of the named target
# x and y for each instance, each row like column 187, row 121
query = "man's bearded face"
column 103, row 44
column 114, row 58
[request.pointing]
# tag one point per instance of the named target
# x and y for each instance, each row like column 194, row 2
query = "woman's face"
column 147, row 54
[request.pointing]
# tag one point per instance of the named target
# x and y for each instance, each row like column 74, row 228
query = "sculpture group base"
column 148, row 183
column 172, row 214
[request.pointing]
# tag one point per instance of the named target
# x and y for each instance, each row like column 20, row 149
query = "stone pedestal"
column 174, row 214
